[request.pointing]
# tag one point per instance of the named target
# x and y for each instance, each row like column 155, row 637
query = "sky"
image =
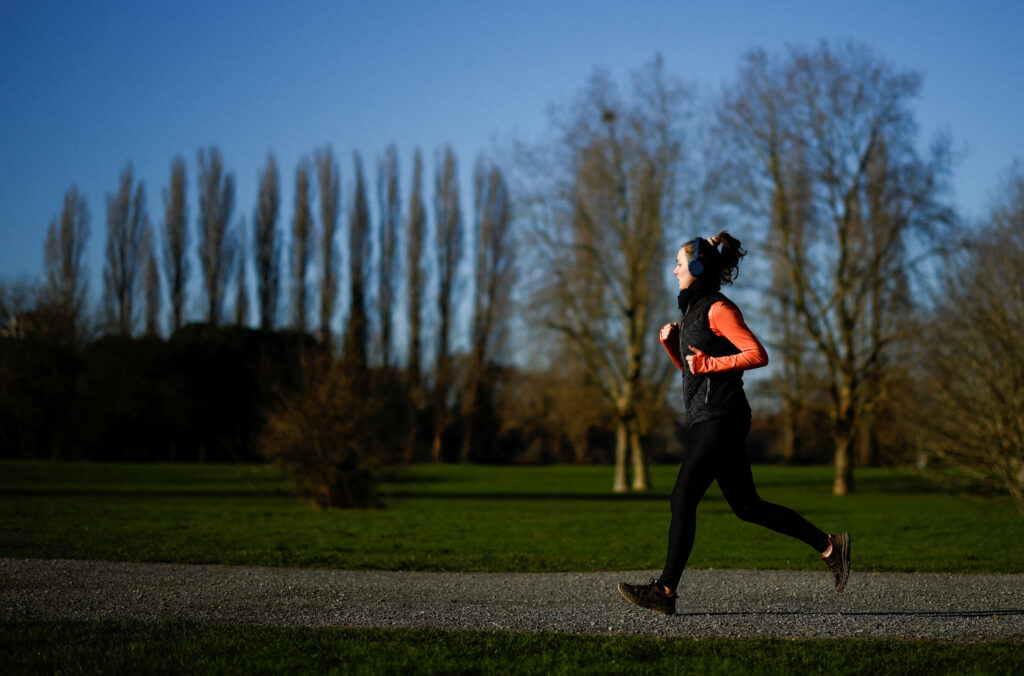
column 86, row 87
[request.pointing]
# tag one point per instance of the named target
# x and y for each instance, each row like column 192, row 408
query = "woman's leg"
column 737, row 484
column 696, row 473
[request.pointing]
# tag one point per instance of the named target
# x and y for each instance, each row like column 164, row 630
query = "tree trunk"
column 866, row 442
column 844, row 466
column 579, row 448
column 641, row 476
column 789, row 434
column 466, row 450
column 469, row 437
column 411, row 441
column 843, row 433
column 621, row 443
column 436, row 446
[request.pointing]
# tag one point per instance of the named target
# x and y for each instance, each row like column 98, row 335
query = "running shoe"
column 650, row 596
column 838, row 561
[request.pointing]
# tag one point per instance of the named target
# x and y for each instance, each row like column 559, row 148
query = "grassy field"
column 106, row 647
column 484, row 518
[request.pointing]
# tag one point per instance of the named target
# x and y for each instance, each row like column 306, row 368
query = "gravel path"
column 734, row 603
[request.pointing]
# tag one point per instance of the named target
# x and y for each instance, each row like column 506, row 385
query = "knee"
column 749, row 510
column 680, row 503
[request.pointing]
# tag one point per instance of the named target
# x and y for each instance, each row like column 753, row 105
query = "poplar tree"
column 66, row 239
column 216, row 248
column 241, row 283
column 127, row 227
column 416, row 277
column 176, row 241
column 328, row 181
column 354, row 349
column 302, row 248
column 151, row 288
column 390, row 214
column 493, row 277
column 449, row 253
column 267, row 246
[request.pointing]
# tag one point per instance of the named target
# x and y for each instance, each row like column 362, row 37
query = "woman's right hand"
column 666, row 331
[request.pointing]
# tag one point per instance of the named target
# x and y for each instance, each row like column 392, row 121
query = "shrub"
column 334, row 435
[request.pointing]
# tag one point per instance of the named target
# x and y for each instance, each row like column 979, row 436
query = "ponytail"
column 729, row 258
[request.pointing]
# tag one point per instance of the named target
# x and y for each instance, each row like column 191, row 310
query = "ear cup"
column 696, row 265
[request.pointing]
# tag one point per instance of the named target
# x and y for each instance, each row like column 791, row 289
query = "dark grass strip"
column 106, row 647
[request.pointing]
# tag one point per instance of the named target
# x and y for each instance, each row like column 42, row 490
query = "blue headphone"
column 696, row 265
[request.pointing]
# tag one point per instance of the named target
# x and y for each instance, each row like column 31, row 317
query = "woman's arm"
column 669, row 337
column 726, row 320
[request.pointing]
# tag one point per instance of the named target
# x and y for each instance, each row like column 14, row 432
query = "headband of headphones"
column 696, row 265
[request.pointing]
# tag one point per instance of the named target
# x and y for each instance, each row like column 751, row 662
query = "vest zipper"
column 707, row 396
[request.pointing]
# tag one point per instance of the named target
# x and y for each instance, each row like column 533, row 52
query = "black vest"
column 708, row 395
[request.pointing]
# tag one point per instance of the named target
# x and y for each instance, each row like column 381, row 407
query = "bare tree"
column 127, row 227
column 606, row 198
column 415, row 237
column 66, row 280
column 302, row 248
column 267, row 245
column 241, row 283
column 390, row 215
column 819, row 147
column 18, row 298
column 151, row 287
column 973, row 417
column 494, row 275
column 448, row 217
column 328, row 180
column 176, row 267
column 216, row 246
column 354, row 349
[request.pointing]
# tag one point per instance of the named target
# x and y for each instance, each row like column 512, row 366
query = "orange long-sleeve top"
column 724, row 319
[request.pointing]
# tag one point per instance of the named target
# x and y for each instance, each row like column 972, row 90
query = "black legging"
column 718, row 451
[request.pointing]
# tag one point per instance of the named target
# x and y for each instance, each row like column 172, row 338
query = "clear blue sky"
column 86, row 87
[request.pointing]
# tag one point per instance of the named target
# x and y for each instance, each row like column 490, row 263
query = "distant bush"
column 336, row 433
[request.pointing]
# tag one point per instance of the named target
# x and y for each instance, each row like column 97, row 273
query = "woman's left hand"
column 690, row 357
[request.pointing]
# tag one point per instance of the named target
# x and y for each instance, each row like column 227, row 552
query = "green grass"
column 102, row 647
column 484, row 518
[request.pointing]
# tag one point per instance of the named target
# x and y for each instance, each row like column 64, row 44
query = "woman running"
column 718, row 347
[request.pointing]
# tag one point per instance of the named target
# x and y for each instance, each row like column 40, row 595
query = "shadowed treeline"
column 201, row 395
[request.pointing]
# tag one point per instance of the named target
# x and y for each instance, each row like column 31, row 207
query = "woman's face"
column 682, row 271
